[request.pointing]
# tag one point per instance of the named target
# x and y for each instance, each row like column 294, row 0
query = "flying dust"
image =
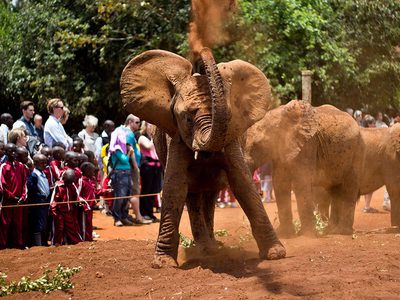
column 207, row 28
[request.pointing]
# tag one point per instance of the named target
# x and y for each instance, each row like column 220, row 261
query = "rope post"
column 306, row 79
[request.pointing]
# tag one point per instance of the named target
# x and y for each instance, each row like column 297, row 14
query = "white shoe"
column 95, row 235
column 118, row 223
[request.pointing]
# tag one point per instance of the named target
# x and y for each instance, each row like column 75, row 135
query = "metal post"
column 306, row 79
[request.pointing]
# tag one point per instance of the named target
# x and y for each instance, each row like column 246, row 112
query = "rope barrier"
column 77, row 201
column 90, row 200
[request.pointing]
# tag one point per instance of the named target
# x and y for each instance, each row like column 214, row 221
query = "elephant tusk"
column 196, row 154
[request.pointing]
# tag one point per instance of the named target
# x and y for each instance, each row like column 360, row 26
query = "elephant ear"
column 302, row 125
column 148, row 86
column 249, row 95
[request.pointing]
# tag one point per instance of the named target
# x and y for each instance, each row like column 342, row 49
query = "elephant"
column 382, row 165
column 316, row 151
column 200, row 118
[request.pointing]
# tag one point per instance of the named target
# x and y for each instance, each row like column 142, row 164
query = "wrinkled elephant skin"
column 202, row 116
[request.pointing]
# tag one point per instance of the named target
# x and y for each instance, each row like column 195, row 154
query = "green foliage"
column 321, row 223
column 76, row 50
column 185, row 241
column 60, row 281
column 221, row 232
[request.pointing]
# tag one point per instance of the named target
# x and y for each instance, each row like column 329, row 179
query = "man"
column 28, row 110
column 6, row 121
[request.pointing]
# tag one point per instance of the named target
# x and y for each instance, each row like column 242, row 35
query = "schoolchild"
column 63, row 206
column 13, row 190
column 38, row 193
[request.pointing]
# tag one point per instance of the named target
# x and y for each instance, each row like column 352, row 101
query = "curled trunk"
column 210, row 131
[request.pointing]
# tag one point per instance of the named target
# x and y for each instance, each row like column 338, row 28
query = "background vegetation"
column 77, row 49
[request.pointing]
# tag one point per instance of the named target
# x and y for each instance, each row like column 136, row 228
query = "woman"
column 120, row 175
column 53, row 129
column 150, row 171
column 88, row 135
column 18, row 137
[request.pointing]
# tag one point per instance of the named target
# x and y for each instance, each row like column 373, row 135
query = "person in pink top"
column 150, row 171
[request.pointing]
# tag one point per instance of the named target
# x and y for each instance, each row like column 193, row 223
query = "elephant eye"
column 189, row 119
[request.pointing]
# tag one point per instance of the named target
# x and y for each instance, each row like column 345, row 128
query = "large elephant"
column 203, row 115
column 382, row 165
column 315, row 151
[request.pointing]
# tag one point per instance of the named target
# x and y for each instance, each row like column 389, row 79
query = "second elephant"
column 312, row 149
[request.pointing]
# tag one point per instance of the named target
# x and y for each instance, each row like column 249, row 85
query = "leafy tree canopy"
column 76, row 50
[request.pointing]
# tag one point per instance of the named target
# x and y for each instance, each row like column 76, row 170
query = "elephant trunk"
column 210, row 131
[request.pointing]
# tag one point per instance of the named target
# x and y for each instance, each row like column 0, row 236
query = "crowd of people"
column 51, row 182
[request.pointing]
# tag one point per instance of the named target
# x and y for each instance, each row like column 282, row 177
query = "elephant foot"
column 210, row 247
column 339, row 230
column 276, row 251
column 163, row 261
column 286, row 232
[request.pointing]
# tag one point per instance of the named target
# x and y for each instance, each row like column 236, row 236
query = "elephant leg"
column 201, row 215
column 394, row 195
column 175, row 191
column 344, row 199
column 244, row 189
column 322, row 200
column 305, row 204
column 282, row 188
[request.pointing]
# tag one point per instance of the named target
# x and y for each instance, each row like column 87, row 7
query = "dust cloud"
column 209, row 18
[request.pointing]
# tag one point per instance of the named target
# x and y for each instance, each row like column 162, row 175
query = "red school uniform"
column 65, row 214
column 89, row 193
column 53, row 172
column 13, row 180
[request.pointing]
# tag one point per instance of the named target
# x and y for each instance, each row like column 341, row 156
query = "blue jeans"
column 121, row 183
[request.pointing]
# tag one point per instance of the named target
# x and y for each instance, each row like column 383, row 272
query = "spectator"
column 38, row 121
column 103, row 139
column 18, row 137
column 28, row 110
column 350, row 111
column 6, row 121
column 358, row 117
column 88, row 135
column 13, row 186
column 150, row 171
column 66, row 227
column 39, row 192
column 53, row 129
column 379, row 121
column 120, row 175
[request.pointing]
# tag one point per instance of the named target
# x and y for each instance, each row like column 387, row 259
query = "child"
column 89, row 192
column 54, row 169
column 77, row 145
column 38, row 192
column 13, row 186
column 64, row 212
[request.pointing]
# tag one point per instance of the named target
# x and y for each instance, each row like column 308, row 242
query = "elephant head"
column 207, row 110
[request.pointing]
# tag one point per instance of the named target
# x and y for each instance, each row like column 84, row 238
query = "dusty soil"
column 117, row 266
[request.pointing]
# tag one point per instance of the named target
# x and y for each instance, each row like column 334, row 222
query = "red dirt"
column 117, row 266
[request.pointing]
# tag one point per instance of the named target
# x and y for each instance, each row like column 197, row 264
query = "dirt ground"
column 117, row 266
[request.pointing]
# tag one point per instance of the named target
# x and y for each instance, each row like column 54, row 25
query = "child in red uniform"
column 53, row 171
column 13, row 187
column 64, row 212
column 89, row 192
